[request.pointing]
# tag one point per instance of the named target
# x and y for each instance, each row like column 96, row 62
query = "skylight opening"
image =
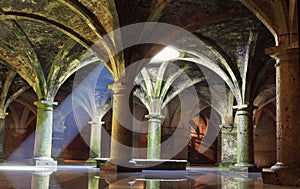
column 168, row 53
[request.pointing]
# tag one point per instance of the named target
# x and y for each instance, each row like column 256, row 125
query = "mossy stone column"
column 121, row 134
column 287, row 169
column 245, row 156
column 95, row 139
column 154, row 130
column 40, row 179
column 154, row 136
column 3, row 114
column 43, row 134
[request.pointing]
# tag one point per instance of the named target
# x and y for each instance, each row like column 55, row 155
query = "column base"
column 226, row 164
column 281, row 177
column 112, row 167
column 91, row 161
column 281, row 174
column 279, row 166
column 101, row 161
column 245, row 167
column 46, row 162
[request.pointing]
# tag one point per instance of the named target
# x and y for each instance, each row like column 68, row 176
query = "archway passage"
column 198, row 130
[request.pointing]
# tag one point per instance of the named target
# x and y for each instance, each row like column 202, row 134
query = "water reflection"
column 93, row 182
column 40, row 179
column 145, row 180
column 85, row 177
column 152, row 184
column 239, row 180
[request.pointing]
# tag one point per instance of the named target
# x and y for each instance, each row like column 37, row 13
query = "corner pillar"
column 228, row 145
column 287, row 169
column 43, row 135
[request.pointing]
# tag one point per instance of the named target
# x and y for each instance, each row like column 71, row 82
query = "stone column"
column 154, row 130
column 228, row 145
column 287, row 168
column 245, row 155
column 121, row 134
column 40, row 179
column 154, row 136
column 95, row 139
column 3, row 114
column 43, row 134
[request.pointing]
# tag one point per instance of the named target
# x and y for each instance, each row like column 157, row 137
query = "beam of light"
column 22, row 168
column 161, row 179
column 91, row 95
column 81, row 103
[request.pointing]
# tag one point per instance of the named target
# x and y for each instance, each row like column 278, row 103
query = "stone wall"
column 265, row 141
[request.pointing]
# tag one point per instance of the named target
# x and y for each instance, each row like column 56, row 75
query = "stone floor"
column 82, row 176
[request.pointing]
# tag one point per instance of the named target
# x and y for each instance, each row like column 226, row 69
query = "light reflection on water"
column 82, row 177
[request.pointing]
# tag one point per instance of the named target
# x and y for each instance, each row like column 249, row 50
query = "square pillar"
column 228, row 145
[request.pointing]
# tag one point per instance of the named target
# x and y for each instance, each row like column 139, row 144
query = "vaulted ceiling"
column 42, row 41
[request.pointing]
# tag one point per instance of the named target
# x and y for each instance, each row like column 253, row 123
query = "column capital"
column 283, row 54
column 3, row 114
column 120, row 87
column 241, row 107
column 227, row 127
column 45, row 103
column 95, row 123
column 244, row 107
column 280, row 48
column 154, row 116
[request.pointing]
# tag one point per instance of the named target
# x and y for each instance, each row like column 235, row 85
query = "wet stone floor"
column 89, row 177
